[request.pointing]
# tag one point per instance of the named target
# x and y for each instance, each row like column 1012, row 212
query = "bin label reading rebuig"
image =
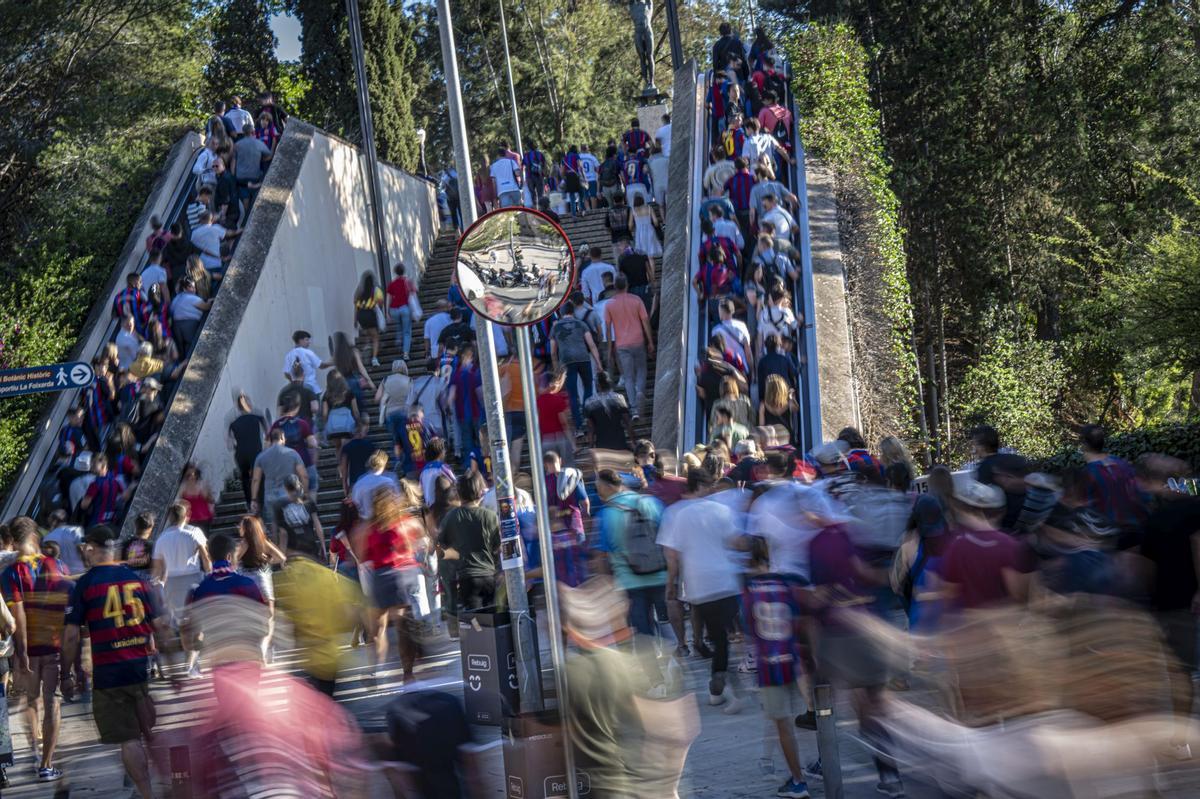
column 479, row 663
column 516, row 788
column 556, row 786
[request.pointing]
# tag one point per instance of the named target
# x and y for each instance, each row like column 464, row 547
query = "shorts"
column 367, row 319
column 116, row 711
column 851, row 660
column 514, row 424
column 175, row 593
column 393, row 588
column 593, row 189
column 510, row 199
column 43, row 681
column 781, row 701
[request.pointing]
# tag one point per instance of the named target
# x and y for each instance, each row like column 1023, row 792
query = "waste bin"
column 489, row 665
column 534, row 765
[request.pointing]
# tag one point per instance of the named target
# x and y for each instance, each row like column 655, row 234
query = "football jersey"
column 115, row 605
column 38, row 584
column 772, row 617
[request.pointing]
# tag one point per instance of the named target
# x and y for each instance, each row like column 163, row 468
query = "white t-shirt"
column 730, row 230
column 756, row 145
column 69, row 538
column 658, row 171
column 127, row 348
column 208, row 238
column 504, row 172
column 152, row 274
column 434, row 326
column 592, row 279
column 363, row 491
column 774, row 517
column 782, row 221
column 205, row 167
column 311, row 363
column 736, row 336
column 664, row 139
column 702, row 532
column 239, row 118
column 776, row 319
column 589, row 166
column 185, row 307
column 179, row 549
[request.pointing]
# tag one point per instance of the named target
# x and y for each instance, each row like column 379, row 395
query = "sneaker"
column 702, row 650
column 1181, row 751
column 891, row 788
column 49, row 774
column 748, row 665
column 375, row 362
column 682, row 651
column 813, row 770
column 194, row 672
column 807, row 720
column 793, row 790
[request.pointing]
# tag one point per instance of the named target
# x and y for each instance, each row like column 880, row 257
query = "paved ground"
column 733, row 757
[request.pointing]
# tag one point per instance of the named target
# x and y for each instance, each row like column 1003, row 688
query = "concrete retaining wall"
column 308, row 241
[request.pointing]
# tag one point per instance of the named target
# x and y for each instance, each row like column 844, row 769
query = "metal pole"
column 512, row 92
column 673, row 35
column 368, row 136
column 528, row 678
column 549, row 580
column 827, row 742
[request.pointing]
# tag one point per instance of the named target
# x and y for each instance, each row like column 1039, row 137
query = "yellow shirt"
column 320, row 605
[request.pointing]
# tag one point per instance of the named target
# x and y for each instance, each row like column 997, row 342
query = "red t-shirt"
column 550, row 406
column 393, row 547
column 398, row 291
column 975, row 561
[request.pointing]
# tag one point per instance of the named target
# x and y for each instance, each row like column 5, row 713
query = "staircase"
column 589, row 229
column 434, row 285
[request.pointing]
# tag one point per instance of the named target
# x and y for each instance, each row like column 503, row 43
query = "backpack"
column 290, row 425
column 642, row 550
column 781, row 132
column 618, row 219
column 610, row 173
column 773, row 82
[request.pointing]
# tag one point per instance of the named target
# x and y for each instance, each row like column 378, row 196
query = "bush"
column 1177, row 440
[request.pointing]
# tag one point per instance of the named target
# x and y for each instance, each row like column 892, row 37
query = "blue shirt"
column 224, row 581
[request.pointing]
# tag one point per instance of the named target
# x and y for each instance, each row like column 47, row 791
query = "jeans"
column 535, row 190
column 582, row 371
column 574, row 201
column 468, row 433
column 313, row 483
column 403, row 318
column 509, row 199
column 643, row 604
column 633, row 369
column 718, row 617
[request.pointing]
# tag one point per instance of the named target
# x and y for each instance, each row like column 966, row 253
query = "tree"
column 243, row 50
column 328, row 66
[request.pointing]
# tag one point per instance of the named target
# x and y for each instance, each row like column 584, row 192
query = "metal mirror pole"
column 528, row 677
column 368, row 136
column 549, row 579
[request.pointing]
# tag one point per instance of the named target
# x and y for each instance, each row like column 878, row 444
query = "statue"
column 643, row 38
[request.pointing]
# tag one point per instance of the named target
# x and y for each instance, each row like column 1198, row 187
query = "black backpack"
column 610, row 173
column 642, row 550
column 781, row 133
column 290, row 425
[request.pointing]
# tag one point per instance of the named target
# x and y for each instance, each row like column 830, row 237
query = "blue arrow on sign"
column 52, row 377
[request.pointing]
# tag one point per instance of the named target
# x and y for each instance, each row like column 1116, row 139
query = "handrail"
column 692, row 313
column 98, row 331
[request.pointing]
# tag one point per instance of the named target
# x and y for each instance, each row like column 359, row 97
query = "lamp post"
column 421, row 144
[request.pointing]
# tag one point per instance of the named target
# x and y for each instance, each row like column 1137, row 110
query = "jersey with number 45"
column 772, row 620
column 114, row 604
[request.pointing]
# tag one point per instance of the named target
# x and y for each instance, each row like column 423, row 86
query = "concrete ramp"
column 297, row 266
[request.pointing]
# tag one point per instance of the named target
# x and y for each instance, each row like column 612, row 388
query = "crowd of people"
column 937, row 602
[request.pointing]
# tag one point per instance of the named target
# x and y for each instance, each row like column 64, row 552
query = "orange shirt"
column 514, row 397
column 624, row 314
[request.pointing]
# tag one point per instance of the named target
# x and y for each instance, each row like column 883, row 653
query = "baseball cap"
column 101, row 536
column 979, row 495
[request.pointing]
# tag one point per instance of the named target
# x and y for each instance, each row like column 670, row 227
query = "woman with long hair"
column 445, row 498
column 394, row 541
column 368, row 305
column 199, row 497
column 735, row 400
column 898, row 470
column 200, row 276
column 339, row 411
column 778, row 405
column 258, row 556
column 347, row 361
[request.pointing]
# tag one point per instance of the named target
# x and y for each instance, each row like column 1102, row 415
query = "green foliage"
column 840, row 124
column 243, row 51
column 1177, row 440
column 331, row 100
column 1014, row 387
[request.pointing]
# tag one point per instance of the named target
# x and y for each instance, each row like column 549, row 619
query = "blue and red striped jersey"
column 772, row 618
column 635, row 171
column 716, row 96
column 162, row 314
column 635, row 139
column 98, row 405
column 116, row 606
column 535, row 162
column 466, row 401
column 105, row 492
column 738, row 188
column 129, row 301
column 75, row 435
column 570, row 163
column 37, row 582
column 225, row 581
column 1112, row 491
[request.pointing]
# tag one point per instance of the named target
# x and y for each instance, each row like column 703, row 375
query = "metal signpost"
column 52, row 377
column 368, row 136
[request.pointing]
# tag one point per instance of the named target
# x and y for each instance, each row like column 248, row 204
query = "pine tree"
column 331, row 102
column 243, row 50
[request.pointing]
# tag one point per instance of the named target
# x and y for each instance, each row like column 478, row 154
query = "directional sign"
column 54, row 377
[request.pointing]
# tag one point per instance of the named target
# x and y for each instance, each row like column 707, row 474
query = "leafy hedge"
column 839, row 124
column 1178, row 440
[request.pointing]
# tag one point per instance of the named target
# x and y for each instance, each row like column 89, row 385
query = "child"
column 417, row 435
column 772, row 617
